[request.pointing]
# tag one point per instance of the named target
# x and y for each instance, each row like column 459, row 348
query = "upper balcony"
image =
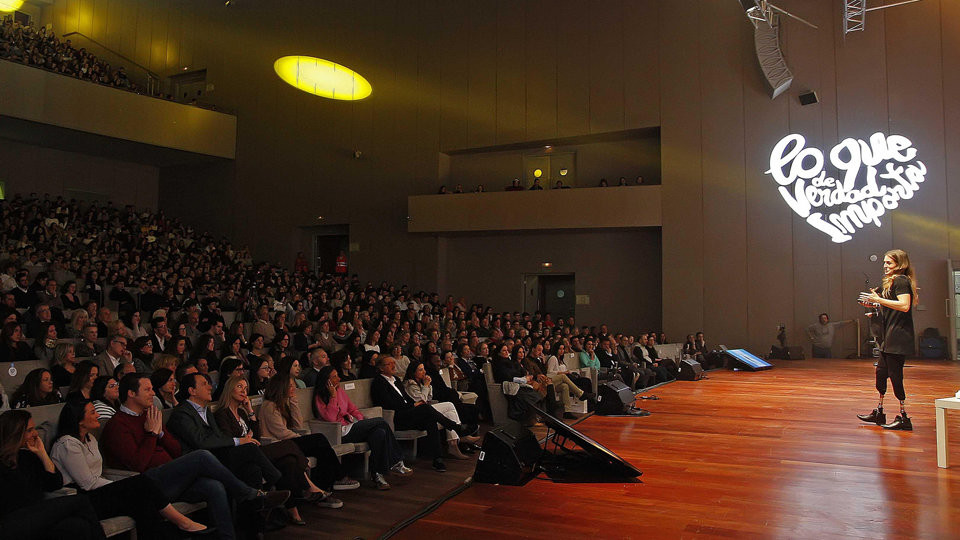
column 59, row 110
column 581, row 208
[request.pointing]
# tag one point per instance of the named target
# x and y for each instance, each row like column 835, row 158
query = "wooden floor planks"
column 774, row 454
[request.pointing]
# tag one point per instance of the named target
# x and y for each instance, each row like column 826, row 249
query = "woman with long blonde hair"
column 895, row 300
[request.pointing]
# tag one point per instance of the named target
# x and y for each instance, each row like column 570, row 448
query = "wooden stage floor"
column 774, row 454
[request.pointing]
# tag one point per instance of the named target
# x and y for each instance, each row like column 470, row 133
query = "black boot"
column 876, row 417
column 901, row 422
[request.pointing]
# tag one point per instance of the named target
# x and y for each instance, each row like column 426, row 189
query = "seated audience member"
column 642, row 354
column 88, row 347
column 160, row 335
column 468, row 412
column 194, row 426
column 290, row 367
column 142, row 355
column 81, row 384
column 263, row 326
column 325, row 337
column 557, row 365
column 105, row 395
column 44, row 347
column 135, row 439
column 510, row 369
column 303, row 340
column 635, row 374
column 668, row 363
column 177, row 346
column 334, row 405
column 258, row 348
column 78, row 321
column 563, row 385
column 235, row 416
column 261, row 371
column 368, row 369
column 13, row 348
column 229, row 367
column 387, row 392
column 206, row 349
column 514, row 185
column 64, row 365
column 280, row 419
column 115, row 354
column 135, row 325
column 70, row 299
column 233, row 345
column 77, row 457
column 26, row 473
column 418, row 385
column 318, row 359
column 280, row 348
column 344, row 365
column 588, row 356
column 165, row 386
column 37, row 390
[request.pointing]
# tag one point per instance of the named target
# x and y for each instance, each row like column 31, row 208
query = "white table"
column 942, row 406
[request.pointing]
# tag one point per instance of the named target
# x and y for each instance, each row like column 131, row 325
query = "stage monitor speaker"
column 809, row 98
column 614, row 397
column 508, row 456
column 690, row 370
column 741, row 359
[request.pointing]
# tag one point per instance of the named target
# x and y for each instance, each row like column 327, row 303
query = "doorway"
column 953, row 305
column 326, row 243
column 550, row 293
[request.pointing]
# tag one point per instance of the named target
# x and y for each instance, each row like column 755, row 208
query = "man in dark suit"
column 387, row 392
column 193, row 425
column 160, row 335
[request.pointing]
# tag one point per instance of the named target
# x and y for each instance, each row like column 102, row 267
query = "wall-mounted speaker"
column 809, row 98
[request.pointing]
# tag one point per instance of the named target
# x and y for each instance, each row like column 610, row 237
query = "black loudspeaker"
column 690, row 370
column 809, row 98
column 614, row 397
column 508, row 456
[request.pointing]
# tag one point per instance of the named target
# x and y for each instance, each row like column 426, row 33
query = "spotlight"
column 537, row 173
column 563, row 171
column 546, row 264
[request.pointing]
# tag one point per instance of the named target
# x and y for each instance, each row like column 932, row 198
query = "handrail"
column 111, row 51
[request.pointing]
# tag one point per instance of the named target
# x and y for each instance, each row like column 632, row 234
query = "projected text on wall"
column 874, row 176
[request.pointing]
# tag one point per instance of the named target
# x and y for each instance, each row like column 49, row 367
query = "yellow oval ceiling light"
column 10, row 5
column 321, row 77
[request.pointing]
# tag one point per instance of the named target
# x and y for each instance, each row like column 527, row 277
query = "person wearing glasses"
column 106, row 397
column 115, row 354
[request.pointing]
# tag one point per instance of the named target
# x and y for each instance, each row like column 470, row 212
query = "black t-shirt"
column 898, row 335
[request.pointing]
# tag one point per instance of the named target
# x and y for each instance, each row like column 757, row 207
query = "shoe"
column 381, row 482
column 399, row 469
column 330, row 502
column 297, row 522
column 569, row 416
column 588, row 396
column 900, row 422
column 467, row 430
column 439, row 465
column 312, row 497
column 466, row 448
column 345, row 483
column 266, row 500
column 876, row 417
column 202, row 532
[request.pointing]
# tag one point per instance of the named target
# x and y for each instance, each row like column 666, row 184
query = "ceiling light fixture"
column 322, row 78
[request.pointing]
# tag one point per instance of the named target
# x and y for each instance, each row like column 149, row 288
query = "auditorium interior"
column 610, row 259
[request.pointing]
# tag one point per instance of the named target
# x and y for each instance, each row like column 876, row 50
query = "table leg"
column 942, row 453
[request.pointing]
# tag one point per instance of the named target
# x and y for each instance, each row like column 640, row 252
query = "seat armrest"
column 372, row 412
column 62, row 492
column 301, row 431
column 330, row 430
column 267, row 440
column 388, row 418
column 118, row 474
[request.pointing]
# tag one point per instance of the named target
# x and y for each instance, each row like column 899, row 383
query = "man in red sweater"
column 135, row 439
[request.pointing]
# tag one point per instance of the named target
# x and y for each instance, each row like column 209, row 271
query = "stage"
column 772, row 454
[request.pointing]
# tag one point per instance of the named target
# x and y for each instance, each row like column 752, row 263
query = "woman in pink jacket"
column 333, row 405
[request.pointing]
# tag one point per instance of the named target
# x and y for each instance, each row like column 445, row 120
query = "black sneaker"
column 876, row 417
column 439, row 465
column 900, row 422
column 467, row 430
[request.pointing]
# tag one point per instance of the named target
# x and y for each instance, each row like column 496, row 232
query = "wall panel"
column 482, row 62
column 511, row 82
column 606, row 65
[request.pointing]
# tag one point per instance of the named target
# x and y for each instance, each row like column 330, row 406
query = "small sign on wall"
column 583, row 299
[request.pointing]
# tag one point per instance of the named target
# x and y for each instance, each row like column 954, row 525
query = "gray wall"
column 619, row 270
column 29, row 168
column 454, row 75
